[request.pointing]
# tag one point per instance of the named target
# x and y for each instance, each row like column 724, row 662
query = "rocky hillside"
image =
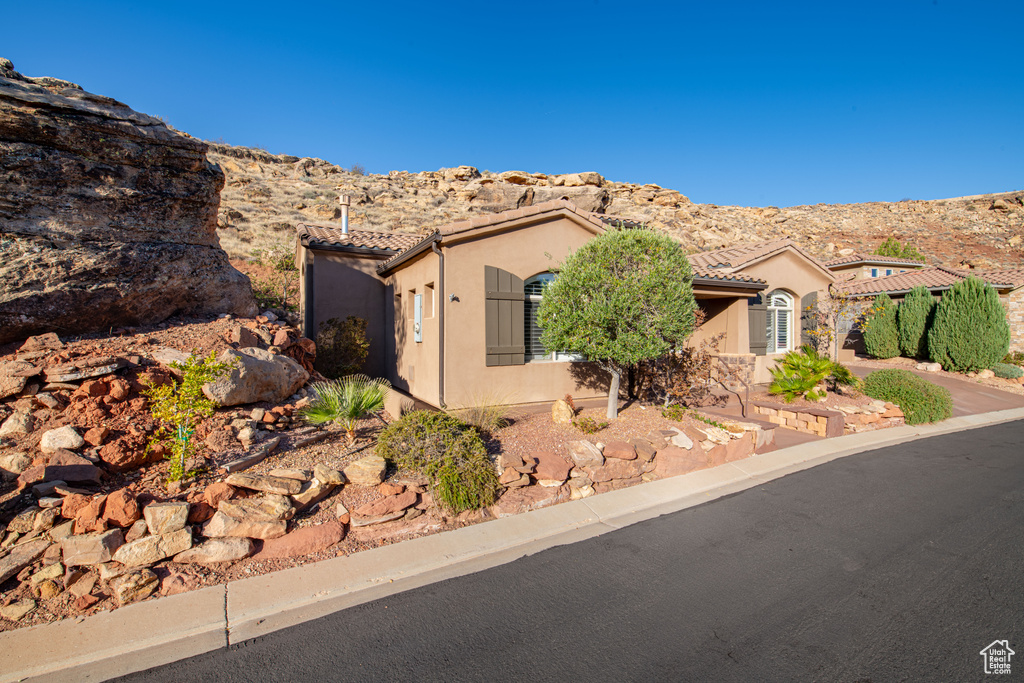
column 267, row 194
column 107, row 216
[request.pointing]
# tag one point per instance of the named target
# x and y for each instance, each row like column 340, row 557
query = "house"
column 452, row 315
column 863, row 266
column 1009, row 283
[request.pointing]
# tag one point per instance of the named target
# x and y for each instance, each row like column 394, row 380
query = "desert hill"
column 267, row 194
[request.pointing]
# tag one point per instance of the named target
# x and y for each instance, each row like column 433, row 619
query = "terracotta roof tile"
column 362, row 239
column 705, row 273
column 740, row 255
column 1012, row 277
column 932, row 277
column 516, row 214
column 871, row 258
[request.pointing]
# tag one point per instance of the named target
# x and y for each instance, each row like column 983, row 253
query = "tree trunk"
column 613, row 394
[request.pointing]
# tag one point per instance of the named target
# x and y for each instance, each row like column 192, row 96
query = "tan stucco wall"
column 862, row 272
column 524, row 252
column 790, row 272
column 344, row 285
column 415, row 365
column 724, row 314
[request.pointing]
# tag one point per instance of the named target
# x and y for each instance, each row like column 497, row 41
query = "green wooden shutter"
column 504, row 317
column 757, row 321
column 808, row 317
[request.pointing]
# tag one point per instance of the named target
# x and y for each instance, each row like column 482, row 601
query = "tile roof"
column 516, row 214
column 704, row 273
column 871, row 258
column 331, row 235
column 932, row 277
column 736, row 257
column 609, row 219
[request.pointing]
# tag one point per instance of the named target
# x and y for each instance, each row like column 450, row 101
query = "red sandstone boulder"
column 311, row 539
column 673, row 461
column 121, row 509
column 219, row 491
column 551, row 466
column 388, row 505
column 620, row 450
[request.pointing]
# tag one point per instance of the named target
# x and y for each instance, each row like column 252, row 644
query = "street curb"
column 158, row 632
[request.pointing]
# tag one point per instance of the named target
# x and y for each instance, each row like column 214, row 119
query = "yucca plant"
column 346, row 401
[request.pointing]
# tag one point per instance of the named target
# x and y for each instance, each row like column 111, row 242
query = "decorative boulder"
column 258, row 375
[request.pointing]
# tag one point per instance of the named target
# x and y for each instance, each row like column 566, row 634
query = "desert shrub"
column 970, row 331
column 915, row 316
column 892, row 247
column 448, row 451
column 588, row 425
column 1014, row 358
column 920, row 400
column 881, row 338
column 681, row 375
column 800, row 372
column 180, row 405
column 488, row 413
column 1007, row 371
column 346, row 401
column 279, row 289
column 341, row 347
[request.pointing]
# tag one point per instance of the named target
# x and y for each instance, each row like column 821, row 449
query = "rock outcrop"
column 107, row 215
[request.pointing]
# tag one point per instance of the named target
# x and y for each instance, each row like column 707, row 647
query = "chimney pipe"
column 345, row 202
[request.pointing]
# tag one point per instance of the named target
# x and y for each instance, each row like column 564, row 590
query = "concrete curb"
column 154, row 633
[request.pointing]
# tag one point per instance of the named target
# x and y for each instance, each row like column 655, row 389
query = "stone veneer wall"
column 743, row 364
column 826, row 423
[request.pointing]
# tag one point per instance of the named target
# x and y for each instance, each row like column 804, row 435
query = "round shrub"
column 1007, row 371
column 970, row 331
column 919, row 399
column 448, row 451
column 881, row 338
column 915, row 316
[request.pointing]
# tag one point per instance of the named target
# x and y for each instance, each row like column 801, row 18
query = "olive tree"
column 626, row 296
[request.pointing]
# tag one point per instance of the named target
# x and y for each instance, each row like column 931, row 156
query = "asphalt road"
column 898, row 564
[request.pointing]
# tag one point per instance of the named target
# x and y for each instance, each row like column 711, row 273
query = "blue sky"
column 749, row 103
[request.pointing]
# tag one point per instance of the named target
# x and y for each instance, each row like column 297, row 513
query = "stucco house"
column 1009, row 283
column 864, row 266
column 452, row 314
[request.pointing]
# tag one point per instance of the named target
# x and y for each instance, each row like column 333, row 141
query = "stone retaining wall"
column 825, row 423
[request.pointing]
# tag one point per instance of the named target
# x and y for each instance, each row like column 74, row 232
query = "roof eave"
column 423, row 245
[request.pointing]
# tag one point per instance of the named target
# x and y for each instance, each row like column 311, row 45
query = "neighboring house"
column 1009, row 283
column 452, row 315
column 863, row 266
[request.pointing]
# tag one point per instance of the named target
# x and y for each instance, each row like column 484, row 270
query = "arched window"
column 533, row 290
column 780, row 321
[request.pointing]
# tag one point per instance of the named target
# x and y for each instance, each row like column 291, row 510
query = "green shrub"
column 892, row 247
column 799, row 372
column 1007, row 371
column 589, row 425
column 915, row 316
column 346, row 401
column 341, row 347
column 1014, row 358
column 970, row 331
column 881, row 338
column 449, row 452
column 920, row 400
column 488, row 413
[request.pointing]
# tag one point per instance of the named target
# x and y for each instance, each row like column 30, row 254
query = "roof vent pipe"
column 345, row 202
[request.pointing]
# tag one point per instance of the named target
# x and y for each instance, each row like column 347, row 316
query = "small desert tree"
column 834, row 309
column 892, row 247
column 881, row 338
column 625, row 297
column 970, row 331
column 913, row 320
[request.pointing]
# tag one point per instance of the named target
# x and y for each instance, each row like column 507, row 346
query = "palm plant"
column 799, row 372
column 346, row 401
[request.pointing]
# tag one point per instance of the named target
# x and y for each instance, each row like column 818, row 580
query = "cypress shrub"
column 881, row 338
column 916, row 314
column 970, row 331
column 919, row 399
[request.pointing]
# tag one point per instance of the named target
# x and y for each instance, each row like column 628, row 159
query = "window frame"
column 771, row 326
column 531, row 302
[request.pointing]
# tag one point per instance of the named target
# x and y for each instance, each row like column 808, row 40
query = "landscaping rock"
column 370, row 521
column 929, row 367
column 137, row 531
column 45, row 519
column 16, row 610
column 616, row 469
column 48, row 589
column 660, row 438
column 644, row 449
column 13, row 464
column 152, row 549
column 388, row 505
column 681, row 440
column 673, row 461
column 561, row 413
column 514, row 501
column 50, row 571
column 217, row 492
column 312, row 493
column 257, row 376
column 24, row 521
column 88, row 549
column 288, row 473
column 21, row 556
column 61, row 531
column 217, row 550
column 222, row 525
column 258, row 482
column 550, row 466
column 368, row 471
column 986, row 374
column 620, row 450
column 17, row 423
column 221, row 440
column 135, row 586
column 89, row 519
column 63, row 437
column 163, row 518
column 328, row 475
column 266, row 508
column 303, row 541
column 585, row 454
column 72, row 504
column 739, row 448
column 121, row 509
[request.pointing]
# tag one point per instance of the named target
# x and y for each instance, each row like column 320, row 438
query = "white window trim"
column 774, row 310
column 535, row 299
